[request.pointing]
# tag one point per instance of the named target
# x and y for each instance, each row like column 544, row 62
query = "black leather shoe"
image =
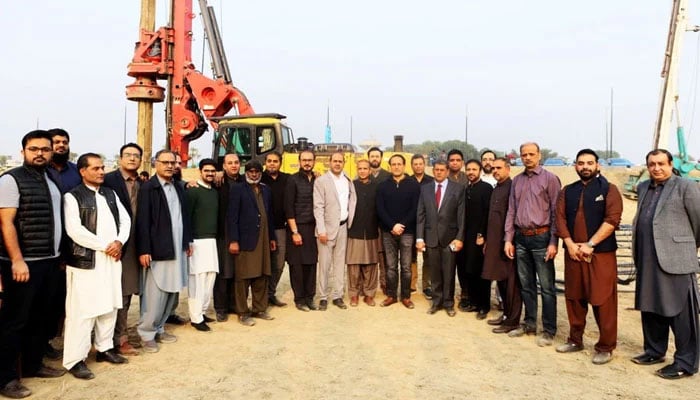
column 208, row 319
column 15, row 390
column 302, row 307
column 81, row 371
column 221, row 317
column 463, row 305
column 175, row 319
column 482, row 315
column 52, row 353
column 673, row 371
column 47, row 372
column 322, row 305
column 340, row 304
column 311, row 306
column 433, row 309
column 648, row 359
column 202, row 326
column 450, row 312
column 274, row 301
column 111, row 357
column 263, row 315
column 428, row 294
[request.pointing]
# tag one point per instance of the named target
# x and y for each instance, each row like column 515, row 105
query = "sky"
column 522, row 70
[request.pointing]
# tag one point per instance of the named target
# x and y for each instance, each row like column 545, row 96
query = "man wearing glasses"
column 126, row 184
column 27, row 256
column 164, row 241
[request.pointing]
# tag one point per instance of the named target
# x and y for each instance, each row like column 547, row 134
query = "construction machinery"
column 194, row 101
column 668, row 104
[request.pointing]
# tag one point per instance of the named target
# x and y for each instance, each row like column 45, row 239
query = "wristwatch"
column 295, row 232
column 590, row 244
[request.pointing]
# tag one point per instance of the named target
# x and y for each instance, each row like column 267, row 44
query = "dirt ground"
column 373, row 353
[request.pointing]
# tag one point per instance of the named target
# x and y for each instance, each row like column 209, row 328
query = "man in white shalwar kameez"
column 203, row 211
column 98, row 226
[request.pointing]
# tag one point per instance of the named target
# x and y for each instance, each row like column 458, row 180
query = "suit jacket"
column 115, row 181
column 153, row 224
column 243, row 217
column 676, row 225
column 327, row 205
column 440, row 227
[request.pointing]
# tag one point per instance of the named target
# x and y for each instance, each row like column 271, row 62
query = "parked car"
column 518, row 162
column 619, row 162
column 554, row 162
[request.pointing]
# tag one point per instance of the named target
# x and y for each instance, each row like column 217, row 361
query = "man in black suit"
column 440, row 233
column 125, row 183
column 469, row 268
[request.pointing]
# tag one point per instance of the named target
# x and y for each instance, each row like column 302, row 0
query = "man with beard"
column 27, row 256
column 531, row 235
column 66, row 174
column 223, row 285
column 419, row 175
column 62, row 171
column 276, row 180
column 487, row 159
column 202, row 208
column 666, row 237
column 98, row 226
column 397, row 204
column 478, row 196
column 164, row 241
column 334, row 208
column 302, row 251
column 252, row 234
column 497, row 266
column 363, row 240
column 378, row 174
column 588, row 212
column 126, row 183
column 440, row 233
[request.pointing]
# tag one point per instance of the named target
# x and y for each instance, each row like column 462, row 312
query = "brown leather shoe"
column 504, row 329
column 388, row 301
column 369, row 300
column 496, row 321
column 354, row 300
column 408, row 303
column 127, row 349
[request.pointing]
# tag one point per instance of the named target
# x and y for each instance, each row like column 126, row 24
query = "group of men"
column 74, row 235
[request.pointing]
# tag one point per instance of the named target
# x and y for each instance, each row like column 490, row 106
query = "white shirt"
column 488, row 178
column 443, row 188
column 342, row 187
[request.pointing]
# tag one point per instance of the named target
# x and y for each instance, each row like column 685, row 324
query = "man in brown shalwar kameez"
column 588, row 212
column 251, row 231
column 497, row 266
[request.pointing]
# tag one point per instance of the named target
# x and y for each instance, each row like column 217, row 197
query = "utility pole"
column 466, row 125
column 611, row 124
column 144, row 123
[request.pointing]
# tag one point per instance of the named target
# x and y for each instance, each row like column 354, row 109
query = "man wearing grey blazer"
column 334, row 207
column 666, row 238
column 440, row 233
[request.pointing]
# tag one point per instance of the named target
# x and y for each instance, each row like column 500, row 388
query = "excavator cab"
column 251, row 136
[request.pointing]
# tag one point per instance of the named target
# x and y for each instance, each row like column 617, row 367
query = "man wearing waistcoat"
column 98, row 226
column 588, row 212
column 28, row 254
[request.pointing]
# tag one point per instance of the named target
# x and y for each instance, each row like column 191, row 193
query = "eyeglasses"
column 131, row 155
column 34, row 149
column 167, row 162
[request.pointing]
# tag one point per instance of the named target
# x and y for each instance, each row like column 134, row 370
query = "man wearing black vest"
column 588, row 212
column 28, row 253
column 98, row 226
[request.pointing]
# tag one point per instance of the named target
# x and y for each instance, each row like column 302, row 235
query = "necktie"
column 438, row 195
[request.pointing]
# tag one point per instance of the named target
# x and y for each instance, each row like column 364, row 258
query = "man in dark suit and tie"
column 440, row 233
column 666, row 238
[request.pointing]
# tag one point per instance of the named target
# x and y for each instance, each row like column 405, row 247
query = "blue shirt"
column 67, row 178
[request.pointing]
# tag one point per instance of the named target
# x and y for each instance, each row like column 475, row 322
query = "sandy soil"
column 372, row 353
